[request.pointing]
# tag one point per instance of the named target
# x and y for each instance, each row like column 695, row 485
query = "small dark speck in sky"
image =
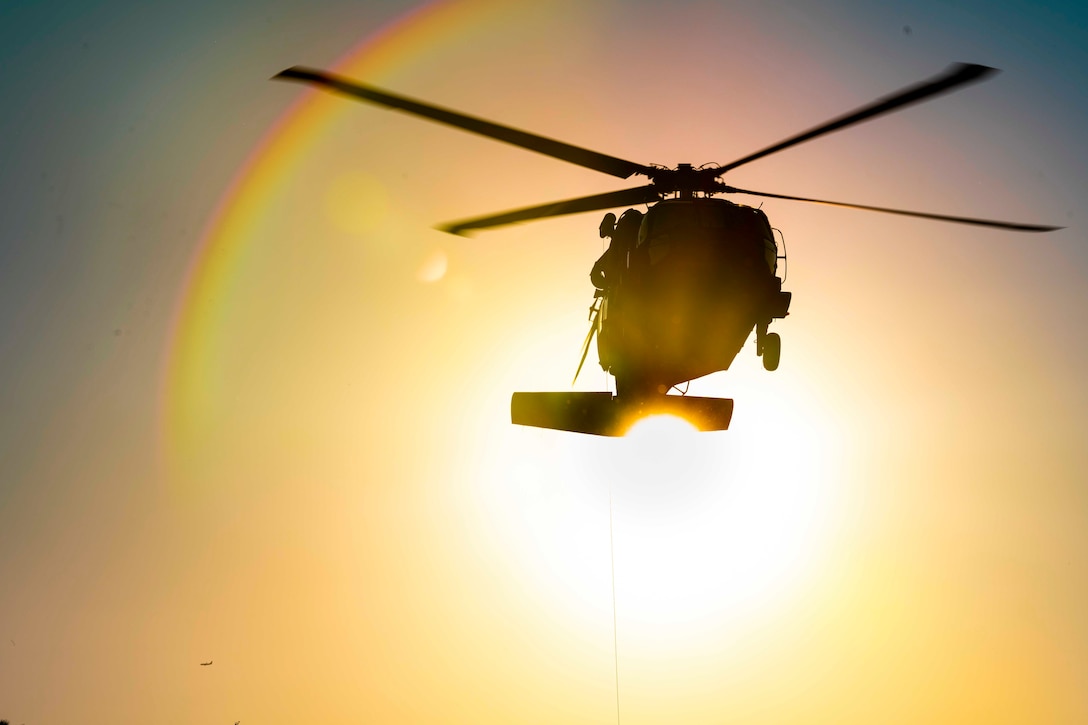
column 907, row 30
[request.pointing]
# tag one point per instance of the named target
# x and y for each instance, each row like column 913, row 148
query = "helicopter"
column 681, row 287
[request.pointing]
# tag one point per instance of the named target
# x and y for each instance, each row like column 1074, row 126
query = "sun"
column 708, row 530
column 659, row 428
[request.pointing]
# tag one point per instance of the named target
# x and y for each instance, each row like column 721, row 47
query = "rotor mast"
column 684, row 177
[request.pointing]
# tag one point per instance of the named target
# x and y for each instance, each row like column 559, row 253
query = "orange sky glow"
column 288, row 449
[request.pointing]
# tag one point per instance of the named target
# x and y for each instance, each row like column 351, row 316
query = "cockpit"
column 735, row 230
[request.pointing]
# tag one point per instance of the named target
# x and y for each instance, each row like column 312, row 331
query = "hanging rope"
column 615, row 634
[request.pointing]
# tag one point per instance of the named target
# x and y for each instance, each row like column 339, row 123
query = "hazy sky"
column 255, row 408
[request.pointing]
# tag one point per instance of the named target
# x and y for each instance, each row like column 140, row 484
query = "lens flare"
column 433, row 268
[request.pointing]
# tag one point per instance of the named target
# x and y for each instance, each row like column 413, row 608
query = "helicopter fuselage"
column 685, row 296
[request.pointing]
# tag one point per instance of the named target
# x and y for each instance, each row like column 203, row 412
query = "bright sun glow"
column 658, row 429
column 710, row 529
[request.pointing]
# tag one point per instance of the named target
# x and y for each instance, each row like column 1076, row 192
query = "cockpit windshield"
column 700, row 216
column 730, row 228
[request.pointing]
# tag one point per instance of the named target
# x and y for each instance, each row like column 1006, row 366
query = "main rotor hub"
column 685, row 180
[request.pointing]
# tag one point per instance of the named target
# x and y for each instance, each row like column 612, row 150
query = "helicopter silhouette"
column 682, row 286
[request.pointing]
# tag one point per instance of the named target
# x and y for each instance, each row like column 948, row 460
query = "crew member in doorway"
column 608, row 271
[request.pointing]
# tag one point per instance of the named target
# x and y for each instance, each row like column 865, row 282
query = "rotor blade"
column 609, row 200
column 550, row 147
column 955, row 75
column 923, row 215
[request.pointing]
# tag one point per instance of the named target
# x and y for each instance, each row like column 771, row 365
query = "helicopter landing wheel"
column 772, row 351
